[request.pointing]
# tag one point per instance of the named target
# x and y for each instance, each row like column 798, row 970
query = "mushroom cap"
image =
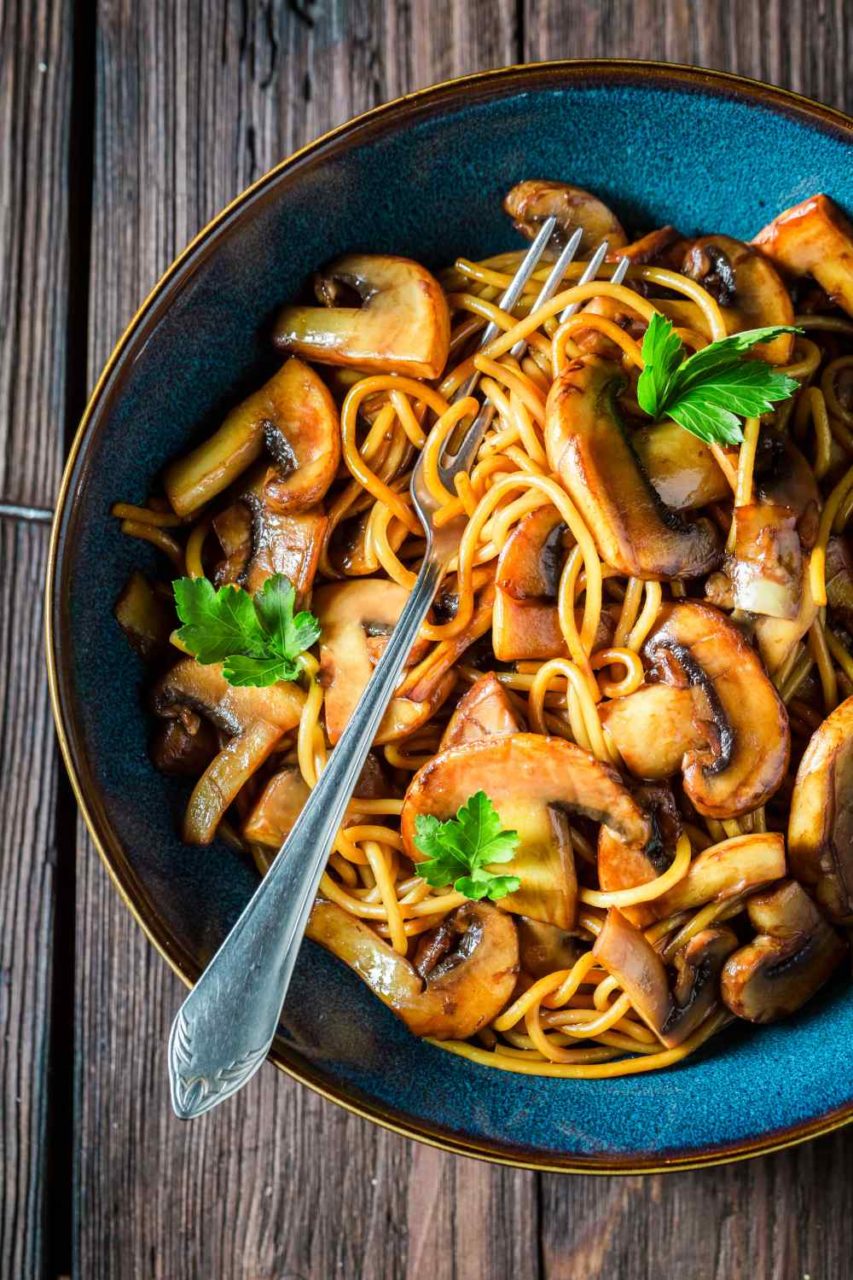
column 743, row 720
column 741, row 277
column 795, row 953
column 232, row 708
column 820, row 826
column 401, row 326
column 530, row 780
column 733, row 867
column 814, row 238
column 462, row 993
column 589, row 449
column 530, row 202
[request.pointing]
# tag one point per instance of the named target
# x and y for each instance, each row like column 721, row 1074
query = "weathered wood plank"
column 189, row 111
column 787, row 1215
column 35, row 95
column 27, row 900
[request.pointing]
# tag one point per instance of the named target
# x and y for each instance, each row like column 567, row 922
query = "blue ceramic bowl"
column 422, row 176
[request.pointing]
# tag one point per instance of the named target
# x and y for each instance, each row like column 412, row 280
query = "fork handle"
column 226, row 1025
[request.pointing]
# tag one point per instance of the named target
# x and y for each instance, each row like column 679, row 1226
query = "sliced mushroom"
column 777, row 637
column 484, row 711
column 144, row 617
column 530, row 780
column 814, row 238
column 795, row 953
column 529, row 203
column 741, row 278
column 399, row 322
column 526, row 623
column 624, row 865
column 545, row 948
column 276, row 810
column 184, row 747
column 463, row 992
column 653, row 729
column 653, row 246
column 766, row 569
column 839, row 581
column 783, row 478
column 820, row 827
column 727, row 870
column 593, row 341
column 295, row 416
column 260, row 541
column 738, row 712
column 682, row 470
column 356, row 619
column 256, row 719
column 588, row 448
column 675, row 1014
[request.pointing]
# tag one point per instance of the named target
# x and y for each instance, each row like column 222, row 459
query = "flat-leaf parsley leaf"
column 707, row 393
column 258, row 639
column 459, row 851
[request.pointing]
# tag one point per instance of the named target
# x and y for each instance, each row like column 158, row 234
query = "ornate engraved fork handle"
column 226, row 1025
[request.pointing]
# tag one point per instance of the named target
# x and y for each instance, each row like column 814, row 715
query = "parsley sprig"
column 707, row 393
column 460, row 851
column 258, row 639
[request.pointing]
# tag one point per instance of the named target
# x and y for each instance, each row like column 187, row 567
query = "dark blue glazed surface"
column 424, row 180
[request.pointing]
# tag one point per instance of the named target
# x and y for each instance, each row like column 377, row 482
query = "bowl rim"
column 135, row 897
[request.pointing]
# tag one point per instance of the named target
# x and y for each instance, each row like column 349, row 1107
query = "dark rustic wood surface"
column 123, row 127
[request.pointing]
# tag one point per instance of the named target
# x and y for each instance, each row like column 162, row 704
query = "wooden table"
column 124, row 126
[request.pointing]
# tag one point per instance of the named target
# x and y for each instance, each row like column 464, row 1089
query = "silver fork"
column 226, row 1025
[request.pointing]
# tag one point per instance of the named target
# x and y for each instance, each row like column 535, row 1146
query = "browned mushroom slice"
column 653, row 729
column 588, row 448
column 622, row 865
column 652, row 246
column 349, row 551
column 744, row 280
column 839, row 581
column 592, row 341
column 795, row 953
column 526, row 623
column 545, row 948
column 783, row 478
column 399, row 322
column 484, row 711
column 727, row 870
column 260, row 541
column 464, row 991
column 144, row 617
column 276, row 809
column 356, row 619
column 682, row 470
column 295, row 416
column 530, row 780
column 739, row 713
column 766, row 569
column 672, row 1015
column 820, row 827
column 184, row 747
column 814, row 238
column 529, row 203
column 256, row 719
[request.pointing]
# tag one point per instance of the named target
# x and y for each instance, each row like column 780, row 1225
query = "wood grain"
column 35, row 96
column 279, row 1184
column 27, row 900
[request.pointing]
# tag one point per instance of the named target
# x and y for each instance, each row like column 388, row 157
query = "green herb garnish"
column 256, row 638
column 707, row 393
column 460, row 851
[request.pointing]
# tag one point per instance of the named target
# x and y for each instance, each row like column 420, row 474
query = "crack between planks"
column 60, row 1207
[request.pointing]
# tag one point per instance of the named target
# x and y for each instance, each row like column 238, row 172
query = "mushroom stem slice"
column 814, row 238
column 294, row 414
column 589, row 449
column 741, row 716
column 529, row 203
column 653, row 728
column 820, row 827
column 463, row 992
column 402, row 324
column 682, row 470
column 224, row 777
column 767, row 567
column 795, row 953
